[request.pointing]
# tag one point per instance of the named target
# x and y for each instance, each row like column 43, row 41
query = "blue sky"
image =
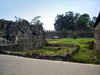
column 47, row 9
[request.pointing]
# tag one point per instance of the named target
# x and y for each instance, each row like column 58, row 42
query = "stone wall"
column 13, row 47
column 62, row 57
column 81, row 34
column 97, row 37
column 23, row 34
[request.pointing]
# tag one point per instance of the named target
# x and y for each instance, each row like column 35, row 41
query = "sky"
column 47, row 9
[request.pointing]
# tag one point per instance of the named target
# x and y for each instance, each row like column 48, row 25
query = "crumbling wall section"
column 23, row 34
column 97, row 37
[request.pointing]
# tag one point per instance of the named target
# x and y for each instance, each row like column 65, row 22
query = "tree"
column 71, row 21
column 83, row 23
column 18, row 19
column 64, row 32
column 75, row 36
column 94, row 19
column 36, row 21
column 76, row 20
column 92, row 22
column 66, row 21
column 59, row 22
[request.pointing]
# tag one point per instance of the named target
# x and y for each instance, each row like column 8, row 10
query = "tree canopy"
column 71, row 21
column 36, row 21
column 18, row 19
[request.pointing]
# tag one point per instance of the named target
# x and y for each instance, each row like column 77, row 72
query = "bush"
column 75, row 36
column 64, row 32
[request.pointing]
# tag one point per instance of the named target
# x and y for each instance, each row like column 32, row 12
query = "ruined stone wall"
column 97, row 37
column 13, row 47
column 51, row 34
column 69, row 34
column 23, row 34
column 62, row 57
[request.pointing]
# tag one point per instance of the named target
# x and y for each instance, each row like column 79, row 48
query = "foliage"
column 36, row 21
column 71, row 21
column 79, row 41
column 85, row 54
column 75, row 36
column 64, row 32
column 18, row 19
column 2, row 20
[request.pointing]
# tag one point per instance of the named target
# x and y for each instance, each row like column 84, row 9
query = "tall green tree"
column 71, row 21
column 76, row 20
column 92, row 22
column 59, row 22
column 83, row 23
column 64, row 21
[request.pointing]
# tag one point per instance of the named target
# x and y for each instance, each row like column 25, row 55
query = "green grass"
column 70, row 40
column 85, row 54
column 48, row 50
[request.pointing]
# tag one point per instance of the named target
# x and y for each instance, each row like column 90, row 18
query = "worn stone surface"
column 14, row 65
column 61, row 57
column 91, row 44
column 23, row 34
column 26, row 54
column 97, row 37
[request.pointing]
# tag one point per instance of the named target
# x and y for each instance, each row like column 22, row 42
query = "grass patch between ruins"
column 49, row 50
column 85, row 54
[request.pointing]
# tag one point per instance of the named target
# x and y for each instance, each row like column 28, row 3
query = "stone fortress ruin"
column 24, row 36
column 21, row 35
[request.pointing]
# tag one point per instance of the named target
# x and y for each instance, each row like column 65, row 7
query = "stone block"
column 26, row 54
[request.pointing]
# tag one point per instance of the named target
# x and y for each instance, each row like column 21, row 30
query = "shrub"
column 64, row 32
column 75, row 36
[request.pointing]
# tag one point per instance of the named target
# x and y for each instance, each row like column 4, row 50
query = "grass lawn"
column 48, row 50
column 85, row 54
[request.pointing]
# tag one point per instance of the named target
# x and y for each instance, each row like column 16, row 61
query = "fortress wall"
column 69, row 34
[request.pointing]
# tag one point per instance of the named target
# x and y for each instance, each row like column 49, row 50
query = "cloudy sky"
column 47, row 9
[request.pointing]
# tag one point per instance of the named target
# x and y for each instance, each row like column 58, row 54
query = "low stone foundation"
column 62, row 57
column 14, row 47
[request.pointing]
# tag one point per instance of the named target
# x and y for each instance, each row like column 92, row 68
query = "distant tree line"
column 71, row 21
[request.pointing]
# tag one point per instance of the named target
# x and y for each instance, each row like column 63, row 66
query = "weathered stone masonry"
column 69, row 34
column 23, row 34
column 97, row 34
column 62, row 57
